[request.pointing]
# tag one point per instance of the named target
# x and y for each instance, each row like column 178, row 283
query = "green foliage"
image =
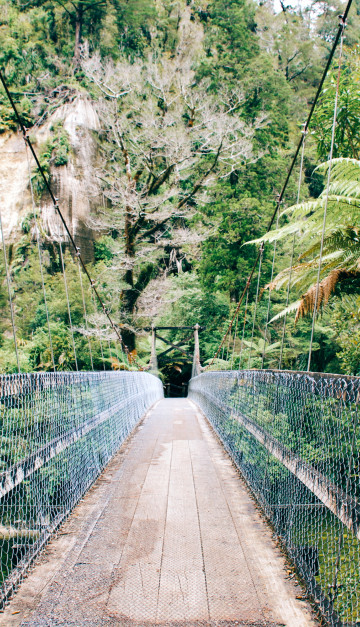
column 266, row 67
column 225, row 264
column 54, row 152
column 40, row 352
column 38, row 49
column 336, row 342
column 347, row 131
column 38, row 183
column 341, row 250
column 30, row 314
column 191, row 305
column 8, row 363
column 231, row 39
column 134, row 20
column 60, row 146
column 233, row 57
column 103, row 249
column 26, row 50
column 346, row 317
column 8, row 118
column 350, row 353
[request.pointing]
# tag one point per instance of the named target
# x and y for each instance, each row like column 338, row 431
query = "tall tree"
column 78, row 12
column 167, row 144
column 347, row 130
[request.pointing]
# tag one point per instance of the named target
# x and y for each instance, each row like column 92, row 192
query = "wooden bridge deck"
column 168, row 535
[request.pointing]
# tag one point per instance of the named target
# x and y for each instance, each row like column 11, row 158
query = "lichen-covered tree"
column 166, row 143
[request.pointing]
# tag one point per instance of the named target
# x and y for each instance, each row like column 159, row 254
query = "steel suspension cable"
column 269, row 295
column 37, row 229
column 243, row 329
column 127, row 356
column 256, row 303
column 102, row 353
column 292, row 165
column 222, row 352
column 110, row 353
column 85, row 313
column 99, row 332
column 292, row 255
column 234, row 342
column 343, row 25
column 56, row 204
column 8, row 282
column 68, row 304
column 228, row 347
column 115, row 351
column 123, row 356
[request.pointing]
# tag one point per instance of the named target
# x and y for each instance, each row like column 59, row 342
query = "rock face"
column 15, row 200
column 74, row 184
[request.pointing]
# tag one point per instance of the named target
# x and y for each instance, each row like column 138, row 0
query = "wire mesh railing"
column 295, row 437
column 58, row 431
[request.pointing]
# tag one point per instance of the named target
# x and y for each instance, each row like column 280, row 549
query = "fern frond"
column 309, row 207
column 276, row 234
column 326, row 288
column 285, row 311
column 344, row 188
column 341, row 166
column 342, row 245
column 341, row 250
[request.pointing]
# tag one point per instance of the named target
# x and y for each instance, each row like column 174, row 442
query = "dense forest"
column 199, row 106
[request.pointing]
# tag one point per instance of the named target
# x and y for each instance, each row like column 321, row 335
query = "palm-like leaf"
column 258, row 347
column 341, row 251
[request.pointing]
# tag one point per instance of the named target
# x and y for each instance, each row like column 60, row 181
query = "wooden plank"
column 231, row 590
column 174, row 347
column 136, row 578
column 171, row 328
column 182, row 592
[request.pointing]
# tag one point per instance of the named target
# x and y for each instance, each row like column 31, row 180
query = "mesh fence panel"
column 296, row 439
column 58, row 431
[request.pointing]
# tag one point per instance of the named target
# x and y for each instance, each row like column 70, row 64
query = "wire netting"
column 58, row 431
column 296, row 439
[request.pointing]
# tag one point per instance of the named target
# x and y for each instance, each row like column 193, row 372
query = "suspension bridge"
column 238, row 505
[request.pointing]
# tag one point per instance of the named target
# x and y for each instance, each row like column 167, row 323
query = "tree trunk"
column 128, row 295
column 78, row 32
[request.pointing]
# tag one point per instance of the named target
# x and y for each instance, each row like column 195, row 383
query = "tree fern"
column 341, row 251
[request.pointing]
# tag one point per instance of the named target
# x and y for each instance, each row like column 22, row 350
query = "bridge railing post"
column 196, row 369
column 153, row 358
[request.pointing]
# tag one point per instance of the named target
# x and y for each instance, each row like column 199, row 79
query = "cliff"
column 74, row 183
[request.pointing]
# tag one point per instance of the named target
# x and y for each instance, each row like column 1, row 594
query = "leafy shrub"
column 55, row 152
column 103, row 249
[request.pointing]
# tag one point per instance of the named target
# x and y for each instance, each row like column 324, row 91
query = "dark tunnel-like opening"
column 176, row 374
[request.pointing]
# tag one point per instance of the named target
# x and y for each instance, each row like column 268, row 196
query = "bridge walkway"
column 168, row 535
